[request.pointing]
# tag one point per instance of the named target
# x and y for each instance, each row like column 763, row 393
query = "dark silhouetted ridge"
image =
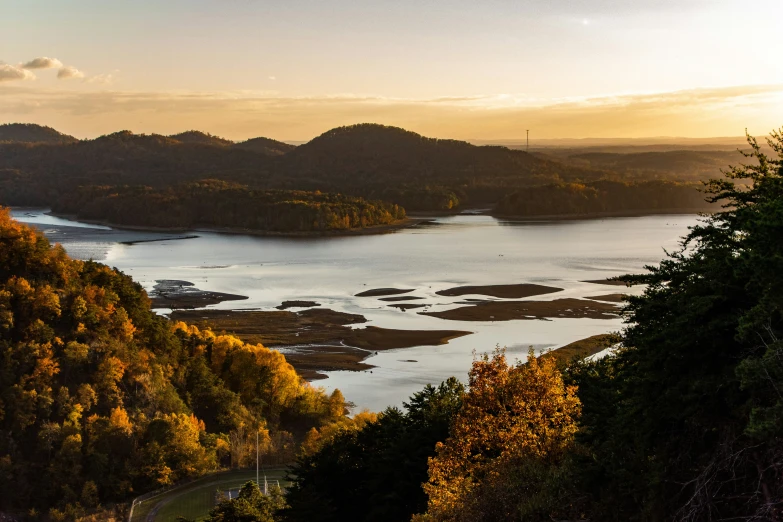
column 265, row 146
column 203, row 138
column 32, row 133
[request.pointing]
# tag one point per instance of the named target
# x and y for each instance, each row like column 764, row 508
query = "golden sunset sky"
column 485, row 69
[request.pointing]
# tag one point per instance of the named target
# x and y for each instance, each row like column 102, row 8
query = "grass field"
column 194, row 500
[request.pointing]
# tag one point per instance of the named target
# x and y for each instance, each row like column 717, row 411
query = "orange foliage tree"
column 511, row 419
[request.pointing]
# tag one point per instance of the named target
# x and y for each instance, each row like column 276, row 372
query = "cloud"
column 44, row 62
column 9, row 73
column 69, row 71
column 102, row 79
column 241, row 114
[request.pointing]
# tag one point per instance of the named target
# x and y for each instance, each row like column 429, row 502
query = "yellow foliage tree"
column 510, row 415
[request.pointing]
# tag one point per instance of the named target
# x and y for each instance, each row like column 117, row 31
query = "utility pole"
column 527, row 141
column 257, row 483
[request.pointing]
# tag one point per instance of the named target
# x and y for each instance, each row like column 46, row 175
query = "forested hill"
column 265, row 146
column 605, row 198
column 202, row 138
column 371, row 161
column 218, row 204
column 367, row 160
column 32, row 133
column 102, row 400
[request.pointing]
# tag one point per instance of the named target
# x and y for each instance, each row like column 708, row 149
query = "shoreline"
column 413, row 220
column 372, row 230
column 600, row 215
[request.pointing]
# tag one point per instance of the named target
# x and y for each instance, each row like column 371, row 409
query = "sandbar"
column 510, row 310
column 518, row 291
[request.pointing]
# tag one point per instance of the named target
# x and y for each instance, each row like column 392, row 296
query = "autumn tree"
column 516, row 423
column 101, row 398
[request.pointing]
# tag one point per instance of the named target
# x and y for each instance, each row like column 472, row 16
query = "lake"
column 450, row 251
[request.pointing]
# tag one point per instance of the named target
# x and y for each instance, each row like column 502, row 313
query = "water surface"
column 453, row 251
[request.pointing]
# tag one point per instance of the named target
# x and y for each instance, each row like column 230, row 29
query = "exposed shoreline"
column 413, row 220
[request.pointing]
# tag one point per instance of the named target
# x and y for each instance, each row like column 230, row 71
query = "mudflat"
column 377, row 292
column 610, row 298
column 176, row 294
column 611, row 282
column 296, row 304
column 510, row 310
column 517, row 291
column 315, row 340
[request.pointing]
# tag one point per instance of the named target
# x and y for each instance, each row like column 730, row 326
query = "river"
column 450, row 251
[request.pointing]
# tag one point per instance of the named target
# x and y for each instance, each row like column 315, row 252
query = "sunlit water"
column 456, row 250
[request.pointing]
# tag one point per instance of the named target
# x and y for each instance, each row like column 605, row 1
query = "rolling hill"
column 371, row 161
column 201, row 138
column 32, row 133
column 265, row 146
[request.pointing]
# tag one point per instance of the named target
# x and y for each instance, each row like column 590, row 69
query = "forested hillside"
column 604, row 197
column 212, row 203
column 371, row 161
column 101, row 399
column 265, row 146
column 202, row 138
column 31, row 133
column 682, row 422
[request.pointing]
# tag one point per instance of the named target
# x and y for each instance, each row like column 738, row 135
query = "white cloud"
column 103, row 79
column 9, row 73
column 69, row 71
column 44, row 62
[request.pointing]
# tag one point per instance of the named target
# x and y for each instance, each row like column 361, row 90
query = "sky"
column 488, row 69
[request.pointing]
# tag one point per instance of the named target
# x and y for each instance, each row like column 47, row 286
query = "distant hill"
column 203, row 138
column 393, row 164
column 367, row 160
column 265, row 146
column 32, row 133
column 371, row 161
column 691, row 165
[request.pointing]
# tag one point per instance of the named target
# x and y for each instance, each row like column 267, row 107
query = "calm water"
column 456, row 250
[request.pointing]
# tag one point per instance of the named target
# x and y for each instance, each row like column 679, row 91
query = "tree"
column 251, row 505
column 518, row 417
column 685, row 422
column 374, row 473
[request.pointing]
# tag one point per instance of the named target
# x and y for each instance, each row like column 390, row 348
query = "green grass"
column 582, row 348
column 195, row 499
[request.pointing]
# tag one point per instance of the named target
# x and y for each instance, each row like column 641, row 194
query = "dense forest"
column 101, row 399
column 684, row 421
column 609, row 197
column 367, row 160
column 631, row 164
column 212, row 203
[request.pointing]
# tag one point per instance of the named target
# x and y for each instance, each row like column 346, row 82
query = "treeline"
column 102, row 400
column 604, row 197
column 213, row 203
column 682, row 422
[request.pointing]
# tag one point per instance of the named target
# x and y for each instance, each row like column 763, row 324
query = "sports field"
column 194, row 500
